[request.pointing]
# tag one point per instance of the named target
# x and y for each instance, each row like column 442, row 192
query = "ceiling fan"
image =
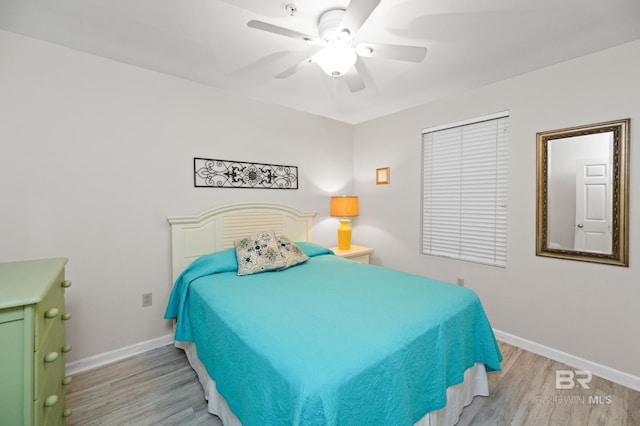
column 337, row 29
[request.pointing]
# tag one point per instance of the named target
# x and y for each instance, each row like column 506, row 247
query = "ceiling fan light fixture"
column 336, row 58
column 345, row 35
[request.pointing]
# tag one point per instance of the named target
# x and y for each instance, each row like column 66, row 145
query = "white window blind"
column 465, row 190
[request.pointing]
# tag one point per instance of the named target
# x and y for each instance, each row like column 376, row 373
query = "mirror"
column 582, row 193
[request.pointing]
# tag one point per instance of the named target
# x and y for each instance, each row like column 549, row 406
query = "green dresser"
column 32, row 343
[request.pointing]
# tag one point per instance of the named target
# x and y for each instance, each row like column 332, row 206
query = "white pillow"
column 291, row 253
column 258, row 253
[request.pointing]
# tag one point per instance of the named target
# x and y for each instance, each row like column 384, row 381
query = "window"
column 464, row 192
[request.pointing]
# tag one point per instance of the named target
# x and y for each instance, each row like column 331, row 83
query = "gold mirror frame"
column 619, row 253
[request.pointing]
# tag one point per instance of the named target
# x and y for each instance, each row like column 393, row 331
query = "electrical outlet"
column 461, row 282
column 147, row 299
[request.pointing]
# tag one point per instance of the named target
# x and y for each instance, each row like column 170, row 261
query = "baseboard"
column 596, row 369
column 99, row 360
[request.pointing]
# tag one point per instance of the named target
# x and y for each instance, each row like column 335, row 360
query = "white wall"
column 96, row 154
column 583, row 309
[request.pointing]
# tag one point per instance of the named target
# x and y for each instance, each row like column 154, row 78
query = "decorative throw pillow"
column 258, row 253
column 291, row 253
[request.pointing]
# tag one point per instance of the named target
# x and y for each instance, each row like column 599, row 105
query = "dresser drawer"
column 48, row 409
column 11, row 314
column 49, row 310
column 49, row 360
column 14, row 366
column 364, row 258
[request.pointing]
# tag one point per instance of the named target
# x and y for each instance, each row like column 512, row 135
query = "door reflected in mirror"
column 579, row 192
column 582, row 193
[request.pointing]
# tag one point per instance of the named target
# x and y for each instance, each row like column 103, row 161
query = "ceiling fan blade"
column 294, row 69
column 392, row 51
column 252, row 75
column 353, row 79
column 264, row 26
column 358, row 11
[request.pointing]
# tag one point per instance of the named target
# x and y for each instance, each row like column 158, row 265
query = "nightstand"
column 357, row 253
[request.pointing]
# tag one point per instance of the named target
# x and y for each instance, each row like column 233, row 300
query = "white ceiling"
column 470, row 43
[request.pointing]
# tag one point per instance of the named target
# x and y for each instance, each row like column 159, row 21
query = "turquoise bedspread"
column 330, row 341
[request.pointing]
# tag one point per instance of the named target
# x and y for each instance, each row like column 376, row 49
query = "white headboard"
column 217, row 228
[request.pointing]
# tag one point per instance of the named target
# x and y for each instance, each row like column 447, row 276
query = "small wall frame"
column 383, row 176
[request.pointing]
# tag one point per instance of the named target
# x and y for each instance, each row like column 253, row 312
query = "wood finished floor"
column 160, row 388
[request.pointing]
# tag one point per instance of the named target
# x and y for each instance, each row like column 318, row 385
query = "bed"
column 326, row 341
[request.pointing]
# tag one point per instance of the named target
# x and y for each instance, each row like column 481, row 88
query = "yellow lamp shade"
column 344, row 206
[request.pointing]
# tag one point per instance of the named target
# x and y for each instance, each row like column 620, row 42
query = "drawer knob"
column 66, row 380
column 51, row 313
column 50, row 401
column 66, row 348
column 66, row 284
column 66, row 412
column 51, row 357
column 66, row 316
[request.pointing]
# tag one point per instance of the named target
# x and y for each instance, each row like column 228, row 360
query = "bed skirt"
column 458, row 396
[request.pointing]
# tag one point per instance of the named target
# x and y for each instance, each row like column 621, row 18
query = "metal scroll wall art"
column 237, row 174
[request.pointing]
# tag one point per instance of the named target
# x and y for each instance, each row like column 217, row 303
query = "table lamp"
column 344, row 206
